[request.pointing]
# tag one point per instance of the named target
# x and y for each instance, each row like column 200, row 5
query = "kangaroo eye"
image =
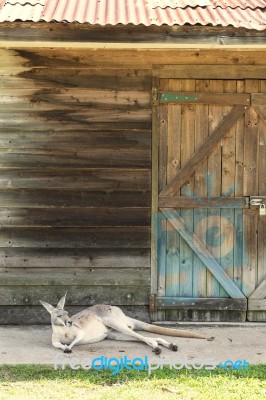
column 59, row 316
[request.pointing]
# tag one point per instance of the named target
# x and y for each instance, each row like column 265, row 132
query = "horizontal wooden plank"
column 70, row 114
column 201, row 304
column 73, row 198
column 93, row 157
column 10, row 81
column 203, row 202
column 258, row 99
column 112, row 79
column 76, row 295
column 257, row 305
column 136, row 58
column 74, row 217
column 74, row 276
column 41, row 123
column 48, row 98
column 90, row 179
column 74, row 258
column 74, row 137
column 209, row 316
column 209, row 72
column 205, row 98
column 255, row 316
column 37, row 315
column 90, row 238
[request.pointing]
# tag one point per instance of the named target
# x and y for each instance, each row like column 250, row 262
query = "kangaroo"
column 101, row 322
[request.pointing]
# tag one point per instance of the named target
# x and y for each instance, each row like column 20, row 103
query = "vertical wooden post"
column 154, row 200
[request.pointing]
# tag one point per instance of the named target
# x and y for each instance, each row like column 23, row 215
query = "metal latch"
column 259, row 202
column 256, row 202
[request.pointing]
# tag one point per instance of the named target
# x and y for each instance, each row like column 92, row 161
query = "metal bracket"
column 177, row 98
column 154, row 96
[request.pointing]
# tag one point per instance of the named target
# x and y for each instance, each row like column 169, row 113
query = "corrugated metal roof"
column 250, row 14
column 25, row 10
column 253, row 4
column 24, row 2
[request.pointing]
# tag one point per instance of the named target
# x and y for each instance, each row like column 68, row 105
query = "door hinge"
column 153, row 303
column 177, row 98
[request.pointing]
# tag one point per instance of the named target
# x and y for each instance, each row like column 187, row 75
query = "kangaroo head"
column 59, row 317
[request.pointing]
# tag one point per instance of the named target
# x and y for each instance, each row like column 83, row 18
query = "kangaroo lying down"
column 101, row 322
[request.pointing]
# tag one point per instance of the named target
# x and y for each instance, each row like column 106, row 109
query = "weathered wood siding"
column 75, row 133
column 74, row 185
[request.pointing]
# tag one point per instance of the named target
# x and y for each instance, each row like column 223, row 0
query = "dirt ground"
column 32, row 344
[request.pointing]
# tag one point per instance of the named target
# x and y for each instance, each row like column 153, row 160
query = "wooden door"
column 209, row 158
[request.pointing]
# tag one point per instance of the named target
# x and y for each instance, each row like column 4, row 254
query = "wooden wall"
column 75, row 185
column 75, row 133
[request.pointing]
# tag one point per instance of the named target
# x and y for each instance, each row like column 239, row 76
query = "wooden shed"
column 133, row 157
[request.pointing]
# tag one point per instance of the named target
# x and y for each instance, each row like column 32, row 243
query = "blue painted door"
column 210, row 135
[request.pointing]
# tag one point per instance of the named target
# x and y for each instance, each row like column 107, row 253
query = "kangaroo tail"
column 143, row 326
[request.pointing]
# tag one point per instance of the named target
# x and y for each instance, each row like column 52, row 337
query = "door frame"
column 221, row 72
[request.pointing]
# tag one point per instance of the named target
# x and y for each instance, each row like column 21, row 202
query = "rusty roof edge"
column 59, row 31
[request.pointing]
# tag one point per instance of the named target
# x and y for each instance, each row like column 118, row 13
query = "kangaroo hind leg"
column 142, row 326
column 129, row 334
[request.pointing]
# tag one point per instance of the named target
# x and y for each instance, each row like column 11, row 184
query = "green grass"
column 43, row 382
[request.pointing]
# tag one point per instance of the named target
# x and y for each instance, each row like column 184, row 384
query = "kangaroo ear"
column 61, row 303
column 48, row 306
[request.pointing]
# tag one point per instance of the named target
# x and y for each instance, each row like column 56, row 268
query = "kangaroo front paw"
column 67, row 350
column 157, row 350
column 173, row 347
